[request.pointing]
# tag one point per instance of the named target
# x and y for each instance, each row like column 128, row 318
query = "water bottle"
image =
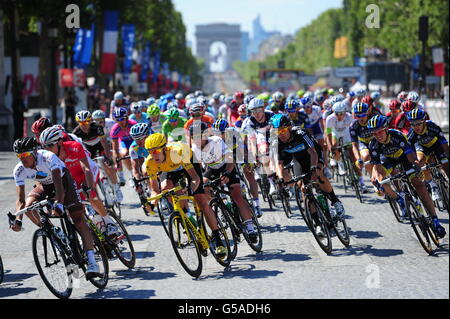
column 192, row 218
column 60, row 234
column 322, row 202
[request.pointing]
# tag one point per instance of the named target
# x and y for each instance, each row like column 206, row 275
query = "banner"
column 111, row 20
column 65, row 78
column 145, row 62
column 78, row 47
column 438, row 61
column 88, row 44
column 128, row 36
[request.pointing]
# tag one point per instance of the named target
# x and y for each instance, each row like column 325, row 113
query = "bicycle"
column 297, row 193
column 442, row 182
column 109, row 197
column 189, row 238
column 418, row 216
column 61, row 247
column 327, row 223
column 230, row 217
column 2, row 270
column 121, row 245
column 264, row 186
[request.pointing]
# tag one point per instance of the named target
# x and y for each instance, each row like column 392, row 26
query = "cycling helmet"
column 278, row 96
column 416, row 115
column 394, row 105
column 318, row 97
column 309, row 94
column 339, row 107
column 118, row 95
column 377, row 122
column 51, row 136
column 239, row 95
column 173, row 113
column 198, row 127
column 150, row 100
column 327, row 104
column 196, row 108
column 220, row 125
column 255, row 104
column 375, row 95
column 306, row 101
column 360, row 92
column 330, row 92
column 360, row 108
column 83, row 116
column 242, row 108
column 119, row 112
column 198, row 93
column 408, row 105
column 300, row 93
column 402, row 96
column 280, row 120
column 40, row 125
column 248, row 98
column 292, row 106
column 337, row 98
column 98, row 114
column 179, row 96
column 153, row 110
column 155, row 140
column 351, row 94
column 247, row 91
column 139, row 130
column 367, row 99
column 413, row 96
column 25, row 144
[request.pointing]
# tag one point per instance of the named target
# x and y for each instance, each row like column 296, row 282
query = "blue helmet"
column 416, row 115
column 280, row 120
column 360, row 108
column 377, row 122
column 306, row 101
column 220, row 125
column 120, row 112
column 291, row 105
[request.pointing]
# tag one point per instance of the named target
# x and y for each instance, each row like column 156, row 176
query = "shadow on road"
column 12, row 285
column 136, row 237
column 275, row 254
column 360, row 250
column 141, row 222
column 144, row 254
column 441, row 251
column 246, row 271
column 283, row 228
column 365, row 234
column 141, row 273
column 122, row 292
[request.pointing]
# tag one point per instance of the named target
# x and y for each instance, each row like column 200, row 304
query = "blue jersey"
column 137, row 152
column 144, row 118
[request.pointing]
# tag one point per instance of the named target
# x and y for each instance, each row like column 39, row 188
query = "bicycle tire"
column 353, row 178
column 262, row 189
column 51, row 245
column 343, row 235
column 226, row 260
column 419, row 224
column 101, row 258
column 328, row 247
column 299, row 200
column 285, row 202
column 395, row 209
column 2, row 270
column 164, row 215
column 443, row 188
column 131, row 260
column 176, row 230
column 257, row 247
column 223, row 214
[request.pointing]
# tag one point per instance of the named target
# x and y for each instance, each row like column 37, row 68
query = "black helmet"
column 25, row 144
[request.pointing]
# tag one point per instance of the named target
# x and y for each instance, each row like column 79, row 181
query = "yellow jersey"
column 178, row 156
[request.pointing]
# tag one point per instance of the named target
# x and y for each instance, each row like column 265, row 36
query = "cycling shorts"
column 125, row 144
column 175, row 177
column 389, row 163
column 213, row 174
column 435, row 149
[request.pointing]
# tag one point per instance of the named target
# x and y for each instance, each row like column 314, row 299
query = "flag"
column 156, row 65
column 88, row 44
column 438, row 61
column 78, row 47
column 110, row 36
column 145, row 62
column 128, row 35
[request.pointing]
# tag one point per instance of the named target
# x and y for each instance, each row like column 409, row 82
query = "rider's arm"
column 20, row 202
column 313, row 155
column 136, row 168
column 57, row 182
column 105, row 145
column 279, row 169
column 355, row 149
column 87, row 172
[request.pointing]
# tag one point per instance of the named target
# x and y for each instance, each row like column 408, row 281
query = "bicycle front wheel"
column 299, row 200
column 227, row 225
column 123, row 246
column 185, row 245
column 52, row 264
column 419, row 225
column 323, row 238
column 2, row 270
column 395, row 209
column 341, row 230
column 285, row 202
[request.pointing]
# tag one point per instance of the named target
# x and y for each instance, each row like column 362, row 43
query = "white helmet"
column 413, row 96
column 118, row 95
column 339, row 107
column 255, row 103
column 136, row 107
column 360, row 92
column 179, row 96
column 277, row 96
column 50, row 136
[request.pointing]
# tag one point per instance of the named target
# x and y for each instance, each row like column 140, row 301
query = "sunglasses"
column 416, row 123
column 282, row 131
column 84, row 122
column 361, row 115
column 24, row 154
column 156, row 151
column 379, row 132
column 173, row 120
column 258, row 110
column 196, row 114
column 140, row 138
column 120, row 119
column 340, row 113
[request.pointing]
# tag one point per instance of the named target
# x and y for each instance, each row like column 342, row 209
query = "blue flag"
column 128, row 35
column 88, row 43
column 78, row 47
column 145, row 62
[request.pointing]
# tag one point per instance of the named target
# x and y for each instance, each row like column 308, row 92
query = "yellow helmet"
column 155, row 140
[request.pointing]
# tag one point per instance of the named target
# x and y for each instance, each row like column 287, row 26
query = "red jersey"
column 74, row 153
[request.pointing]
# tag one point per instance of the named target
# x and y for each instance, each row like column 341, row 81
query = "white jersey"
column 46, row 162
column 315, row 116
column 213, row 154
column 339, row 128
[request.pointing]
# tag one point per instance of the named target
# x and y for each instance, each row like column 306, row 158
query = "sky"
column 286, row 16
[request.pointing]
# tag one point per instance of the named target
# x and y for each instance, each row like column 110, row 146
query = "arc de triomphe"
column 229, row 34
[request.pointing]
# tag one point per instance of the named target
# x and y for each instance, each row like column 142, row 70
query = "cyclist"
column 376, row 96
column 401, row 123
column 118, row 101
column 218, row 159
column 296, row 145
column 94, row 140
column 173, row 127
column 415, row 98
column 195, row 112
column 296, row 115
column 372, row 109
column 351, row 96
column 156, row 117
column 278, row 100
column 121, row 139
column 394, row 107
column 401, row 97
column 361, row 137
column 390, row 148
column 137, row 113
column 359, row 95
column 52, row 179
column 215, row 104
column 428, row 140
column 178, row 161
column 242, row 110
column 106, row 123
column 39, row 126
column 337, row 127
column 83, row 169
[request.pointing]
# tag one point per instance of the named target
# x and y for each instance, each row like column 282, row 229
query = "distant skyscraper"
column 259, row 35
column 245, row 42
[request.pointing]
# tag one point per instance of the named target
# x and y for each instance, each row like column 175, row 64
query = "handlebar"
column 164, row 193
column 122, row 158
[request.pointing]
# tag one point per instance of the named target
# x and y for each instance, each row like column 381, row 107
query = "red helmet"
column 368, row 100
column 239, row 95
column 408, row 106
column 394, row 105
column 40, row 125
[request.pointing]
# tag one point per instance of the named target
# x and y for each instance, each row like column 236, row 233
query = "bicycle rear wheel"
column 232, row 233
column 53, row 264
column 164, row 213
column 2, row 270
column 419, row 225
column 102, row 260
column 123, row 246
column 443, row 188
column 325, row 240
column 259, row 243
column 185, row 245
